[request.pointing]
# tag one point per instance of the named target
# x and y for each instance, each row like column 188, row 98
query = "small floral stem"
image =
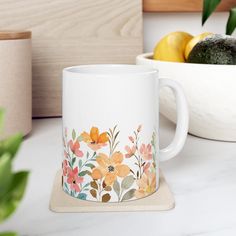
column 141, row 171
column 88, row 160
column 138, row 157
column 139, row 162
column 119, row 198
column 81, row 187
column 133, row 174
column 100, row 189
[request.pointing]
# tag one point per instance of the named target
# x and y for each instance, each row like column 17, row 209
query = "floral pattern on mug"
column 95, row 140
column 73, row 179
column 110, row 168
column 75, row 148
column 95, row 168
column 147, row 184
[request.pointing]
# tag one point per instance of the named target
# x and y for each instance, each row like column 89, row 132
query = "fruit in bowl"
column 209, row 84
column 206, row 48
column 172, row 47
column 216, row 49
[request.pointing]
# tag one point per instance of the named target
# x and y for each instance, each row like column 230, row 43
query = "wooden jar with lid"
column 16, row 81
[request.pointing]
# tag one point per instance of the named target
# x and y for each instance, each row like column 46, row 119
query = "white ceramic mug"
column 111, row 133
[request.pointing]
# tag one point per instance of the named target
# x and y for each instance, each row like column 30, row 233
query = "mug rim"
column 111, row 70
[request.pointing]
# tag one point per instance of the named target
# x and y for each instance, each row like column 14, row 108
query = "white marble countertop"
column 202, row 178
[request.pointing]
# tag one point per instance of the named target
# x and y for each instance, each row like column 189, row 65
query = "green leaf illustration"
column 10, row 201
column 116, row 187
column 87, row 155
column 90, row 165
column 128, row 195
column 86, row 185
column 231, row 23
column 83, row 173
column 208, row 7
column 10, row 145
column 116, row 135
column 80, row 138
column 80, row 163
column 82, row 196
column 66, row 186
column 127, row 182
column 73, row 161
column 73, row 134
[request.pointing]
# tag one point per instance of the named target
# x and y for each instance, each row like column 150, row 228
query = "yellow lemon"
column 172, row 47
column 190, row 45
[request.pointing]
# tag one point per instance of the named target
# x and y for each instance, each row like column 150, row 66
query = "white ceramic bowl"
column 210, row 92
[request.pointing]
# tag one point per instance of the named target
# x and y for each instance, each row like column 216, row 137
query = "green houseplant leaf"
column 10, row 145
column 208, row 7
column 5, row 174
column 1, row 118
column 8, row 234
column 231, row 23
column 10, row 201
column 12, row 185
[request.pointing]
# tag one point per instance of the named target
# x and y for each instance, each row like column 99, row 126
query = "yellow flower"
column 95, row 140
column 110, row 168
column 147, row 185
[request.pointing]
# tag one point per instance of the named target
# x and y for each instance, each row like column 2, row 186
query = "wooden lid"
column 10, row 35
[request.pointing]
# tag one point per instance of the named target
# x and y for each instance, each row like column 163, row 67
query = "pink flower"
column 66, row 132
column 130, row 151
column 146, row 151
column 139, row 128
column 65, row 154
column 131, row 139
column 64, row 167
column 146, row 166
column 75, row 148
column 73, row 179
column 64, row 143
column 147, row 185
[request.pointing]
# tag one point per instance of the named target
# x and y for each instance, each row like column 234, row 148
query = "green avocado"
column 215, row 49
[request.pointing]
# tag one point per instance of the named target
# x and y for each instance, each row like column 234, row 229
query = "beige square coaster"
column 61, row 202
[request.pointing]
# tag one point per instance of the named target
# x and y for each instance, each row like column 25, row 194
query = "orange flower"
column 110, row 167
column 147, row 185
column 95, row 140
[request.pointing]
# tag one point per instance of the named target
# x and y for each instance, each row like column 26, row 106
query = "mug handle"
column 182, row 120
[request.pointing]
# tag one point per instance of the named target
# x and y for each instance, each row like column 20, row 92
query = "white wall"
column 156, row 25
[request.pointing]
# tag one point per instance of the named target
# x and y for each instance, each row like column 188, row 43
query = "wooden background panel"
column 73, row 32
column 182, row 5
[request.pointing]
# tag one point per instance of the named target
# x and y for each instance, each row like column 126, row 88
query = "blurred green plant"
column 8, row 234
column 209, row 7
column 12, row 184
